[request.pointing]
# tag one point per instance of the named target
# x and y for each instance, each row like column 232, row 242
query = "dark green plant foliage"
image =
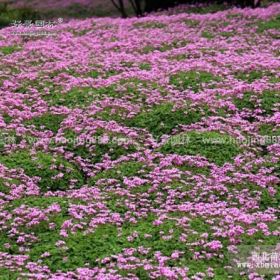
column 269, row 99
column 249, row 76
column 5, row 273
column 9, row 14
column 149, row 25
column 270, row 24
column 47, row 237
column 9, row 49
column 195, row 169
column 192, row 22
column 227, row 34
column 80, row 11
column 269, row 130
column 164, row 47
column 7, row 118
column 212, row 8
column 41, row 202
column 83, row 97
column 179, row 57
column 76, row 97
column 274, row 80
column 4, row 184
column 41, row 167
column 254, row 75
column 192, row 80
column 111, row 114
column 269, row 201
column 48, row 121
column 125, row 169
column 145, row 66
column 208, row 35
column 93, row 74
column 116, row 203
column 245, row 101
column 104, row 241
column 268, row 240
column 216, row 147
column 112, row 148
column 161, row 119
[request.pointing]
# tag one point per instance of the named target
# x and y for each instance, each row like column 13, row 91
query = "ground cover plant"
column 140, row 148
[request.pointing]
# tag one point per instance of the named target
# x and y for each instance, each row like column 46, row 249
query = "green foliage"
column 40, row 165
column 48, row 121
column 192, row 22
column 112, row 113
column 161, row 119
column 9, row 14
column 5, row 184
column 212, row 8
column 147, row 49
column 194, row 169
column 132, row 89
column 274, row 80
column 46, row 236
column 199, row 225
column 270, row 24
column 93, row 74
column 83, row 97
column 39, row 202
column 193, row 80
column 76, row 97
column 128, row 64
column 216, row 147
column 254, row 75
column 208, row 35
column 80, row 11
column 104, row 241
column 249, row 76
column 269, row 130
column 116, row 203
column 114, row 146
column 6, row 274
column 227, row 34
column 125, row 169
column 149, row 25
column 164, row 47
column 7, row 118
column 234, row 16
column 269, row 99
column 268, row 200
column 82, row 249
column 145, row 66
column 179, row 57
column 244, row 102
column 9, row 49
column 8, row 137
column 259, row 238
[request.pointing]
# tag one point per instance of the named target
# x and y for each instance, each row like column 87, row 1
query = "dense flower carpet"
column 141, row 148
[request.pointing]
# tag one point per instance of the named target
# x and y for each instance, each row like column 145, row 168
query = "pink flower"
column 214, row 245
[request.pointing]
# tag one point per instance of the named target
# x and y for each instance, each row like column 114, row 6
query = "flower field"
column 141, row 148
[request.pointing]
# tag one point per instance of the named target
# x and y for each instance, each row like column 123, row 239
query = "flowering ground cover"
column 140, row 148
